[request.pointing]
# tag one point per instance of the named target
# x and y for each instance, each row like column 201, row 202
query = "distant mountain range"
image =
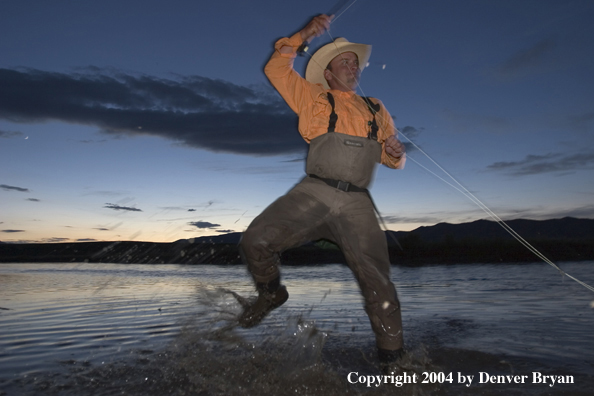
column 566, row 239
column 565, row 228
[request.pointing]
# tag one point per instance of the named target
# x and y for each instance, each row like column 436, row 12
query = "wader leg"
column 290, row 221
column 364, row 245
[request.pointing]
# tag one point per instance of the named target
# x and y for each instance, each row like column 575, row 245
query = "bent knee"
column 255, row 245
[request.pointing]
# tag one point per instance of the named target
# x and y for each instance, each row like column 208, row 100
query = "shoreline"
column 411, row 252
column 481, row 241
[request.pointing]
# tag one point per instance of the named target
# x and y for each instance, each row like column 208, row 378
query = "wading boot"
column 388, row 360
column 271, row 295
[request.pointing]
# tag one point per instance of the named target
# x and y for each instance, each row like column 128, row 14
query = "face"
column 343, row 72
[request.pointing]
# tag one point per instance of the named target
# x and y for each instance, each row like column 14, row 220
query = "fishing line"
column 338, row 16
column 499, row 221
column 463, row 190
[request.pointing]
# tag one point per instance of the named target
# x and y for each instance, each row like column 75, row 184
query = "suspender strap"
column 333, row 115
column 374, row 108
column 345, row 186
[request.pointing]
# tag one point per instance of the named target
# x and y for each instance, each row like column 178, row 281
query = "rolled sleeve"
column 294, row 42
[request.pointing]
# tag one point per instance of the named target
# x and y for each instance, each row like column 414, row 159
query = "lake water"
column 107, row 329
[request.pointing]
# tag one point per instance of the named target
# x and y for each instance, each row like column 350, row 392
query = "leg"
column 364, row 244
column 290, row 221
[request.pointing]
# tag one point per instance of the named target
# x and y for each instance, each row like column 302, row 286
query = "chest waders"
column 343, row 161
column 309, row 212
column 347, row 162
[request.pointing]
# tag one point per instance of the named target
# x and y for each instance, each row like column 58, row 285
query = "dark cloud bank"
column 196, row 111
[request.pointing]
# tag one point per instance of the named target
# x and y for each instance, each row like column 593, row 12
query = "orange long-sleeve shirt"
column 310, row 103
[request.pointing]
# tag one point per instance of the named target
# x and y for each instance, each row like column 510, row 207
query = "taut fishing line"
column 456, row 184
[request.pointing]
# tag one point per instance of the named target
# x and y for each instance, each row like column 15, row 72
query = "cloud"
column 55, row 240
column 293, row 160
column 528, row 60
column 173, row 208
column 204, row 205
column 552, row 162
column 583, row 212
column 12, row 231
column 224, row 231
column 9, row 188
column 203, row 224
column 407, row 134
column 10, row 134
column 118, row 207
column 410, row 131
column 195, row 111
column 432, row 219
column 33, row 199
column 544, row 213
column 471, row 214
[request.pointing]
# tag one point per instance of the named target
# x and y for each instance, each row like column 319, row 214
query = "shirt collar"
column 347, row 95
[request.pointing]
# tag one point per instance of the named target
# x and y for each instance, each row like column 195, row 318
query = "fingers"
column 322, row 23
column 394, row 147
column 316, row 27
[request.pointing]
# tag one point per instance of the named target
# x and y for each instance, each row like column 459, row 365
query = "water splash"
column 304, row 344
column 306, row 354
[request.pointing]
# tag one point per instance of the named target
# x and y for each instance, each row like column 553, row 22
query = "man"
column 348, row 136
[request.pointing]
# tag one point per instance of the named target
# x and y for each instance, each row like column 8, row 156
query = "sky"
column 153, row 120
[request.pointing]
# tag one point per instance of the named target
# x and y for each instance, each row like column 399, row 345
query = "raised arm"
column 279, row 69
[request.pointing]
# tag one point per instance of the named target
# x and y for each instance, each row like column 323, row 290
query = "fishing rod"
column 334, row 11
column 460, row 187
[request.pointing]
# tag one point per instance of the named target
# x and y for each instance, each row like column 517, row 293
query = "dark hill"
column 565, row 228
column 232, row 237
column 567, row 239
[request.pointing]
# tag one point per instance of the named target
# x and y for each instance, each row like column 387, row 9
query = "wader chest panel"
column 342, row 157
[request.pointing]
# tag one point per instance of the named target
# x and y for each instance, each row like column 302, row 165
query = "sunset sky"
column 153, row 120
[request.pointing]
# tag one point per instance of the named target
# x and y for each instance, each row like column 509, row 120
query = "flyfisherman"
column 348, row 136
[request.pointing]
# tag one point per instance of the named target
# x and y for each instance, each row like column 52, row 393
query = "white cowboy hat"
column 314, row 72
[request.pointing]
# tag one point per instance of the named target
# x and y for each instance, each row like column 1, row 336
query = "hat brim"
column 314, row 72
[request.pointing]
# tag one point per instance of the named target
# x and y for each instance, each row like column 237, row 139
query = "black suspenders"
column 341, row 185
column 333, row 115
column 374, row 108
